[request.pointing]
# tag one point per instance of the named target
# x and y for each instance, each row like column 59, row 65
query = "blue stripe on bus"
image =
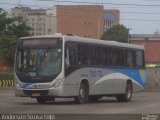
column 26, row 85
column 132, row 73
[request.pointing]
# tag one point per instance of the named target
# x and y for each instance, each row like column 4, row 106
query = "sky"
column 140, row 16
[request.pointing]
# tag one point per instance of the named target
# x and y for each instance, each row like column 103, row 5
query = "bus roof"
column 88, row 40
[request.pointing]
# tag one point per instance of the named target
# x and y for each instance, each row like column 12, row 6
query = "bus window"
column 119, row 56
column 83, row 54
column 129, row 58
column 139, row 59
column 107, row 53
column 70, row 54
column 92, row 55
column 97, row 55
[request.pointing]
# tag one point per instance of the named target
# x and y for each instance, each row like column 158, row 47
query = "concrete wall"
column 153, row 79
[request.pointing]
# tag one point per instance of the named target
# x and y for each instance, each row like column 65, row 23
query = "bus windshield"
column 38, row 62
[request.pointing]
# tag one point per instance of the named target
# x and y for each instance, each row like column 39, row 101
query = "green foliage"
column 117, row 33
column 21, row 30
column 7, row 48
column 10, row 30
column 6, row 76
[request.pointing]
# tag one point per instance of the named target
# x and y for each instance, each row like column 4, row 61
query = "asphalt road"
column 143, row 102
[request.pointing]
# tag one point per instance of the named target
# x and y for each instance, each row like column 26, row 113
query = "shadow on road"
column 68, row 102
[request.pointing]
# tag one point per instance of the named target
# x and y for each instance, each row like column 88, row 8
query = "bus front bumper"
column 51, row 92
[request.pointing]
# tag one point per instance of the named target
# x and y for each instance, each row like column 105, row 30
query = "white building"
column 42, row 21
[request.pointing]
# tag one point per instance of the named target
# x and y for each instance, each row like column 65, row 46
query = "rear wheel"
column 127, row 96
column 83, row 94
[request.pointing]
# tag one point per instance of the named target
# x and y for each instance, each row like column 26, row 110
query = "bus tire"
column 41, row 100
column 127, row 96
column 83, row 94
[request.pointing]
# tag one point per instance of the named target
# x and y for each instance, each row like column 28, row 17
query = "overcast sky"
column 141, row 16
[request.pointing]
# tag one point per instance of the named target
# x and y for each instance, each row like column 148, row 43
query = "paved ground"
column 144, row 102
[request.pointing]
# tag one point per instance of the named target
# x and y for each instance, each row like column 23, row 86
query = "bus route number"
column 95, row 73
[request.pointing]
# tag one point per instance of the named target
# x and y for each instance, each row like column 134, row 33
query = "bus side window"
column 70, row 55
column 139, row 58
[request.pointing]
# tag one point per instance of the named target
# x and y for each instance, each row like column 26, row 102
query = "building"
column 151, row 42
column 85, row 20
column 81, row 20
column 42, row 21
column 111, row 18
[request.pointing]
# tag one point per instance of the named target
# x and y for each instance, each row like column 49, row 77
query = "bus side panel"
column 104, row 80
column 137, row 76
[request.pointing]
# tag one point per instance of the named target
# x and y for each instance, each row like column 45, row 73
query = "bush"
column 6, row 76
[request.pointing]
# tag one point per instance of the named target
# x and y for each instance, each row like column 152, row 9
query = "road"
column 143, row 102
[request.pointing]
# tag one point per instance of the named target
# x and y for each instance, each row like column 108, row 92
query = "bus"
column 61, row 66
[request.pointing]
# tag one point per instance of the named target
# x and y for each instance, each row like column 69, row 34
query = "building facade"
column 42, row 21
column 85, row 20
column 81, row 20
column 111, row 18
column 151, row 43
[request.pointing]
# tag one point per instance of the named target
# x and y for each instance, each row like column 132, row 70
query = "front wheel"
column 83, row 94
column 127, row 96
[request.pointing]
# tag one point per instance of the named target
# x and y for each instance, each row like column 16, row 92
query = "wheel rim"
column 128, row 93
column 82, row 93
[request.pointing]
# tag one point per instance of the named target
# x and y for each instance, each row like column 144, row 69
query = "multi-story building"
column 85, row 20
column 81, row 20
column 42, row 21
column 151, row 43
column 111, row 18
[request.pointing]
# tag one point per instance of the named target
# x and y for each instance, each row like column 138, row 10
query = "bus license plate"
column 35, row 94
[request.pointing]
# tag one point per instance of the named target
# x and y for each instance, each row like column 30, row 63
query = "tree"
column 10, row 30
column 7, row 48
column 117, row 33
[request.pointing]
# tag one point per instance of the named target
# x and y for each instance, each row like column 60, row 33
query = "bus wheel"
column 41, row 100
column 127, row 96
column 83, row 94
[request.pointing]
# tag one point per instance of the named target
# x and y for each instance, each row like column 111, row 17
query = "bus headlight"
column 57, row 83
column 17, row 85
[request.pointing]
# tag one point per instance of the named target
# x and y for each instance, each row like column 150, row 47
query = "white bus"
column 48, row 67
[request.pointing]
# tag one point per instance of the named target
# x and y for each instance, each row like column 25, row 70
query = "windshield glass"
column 38, row 61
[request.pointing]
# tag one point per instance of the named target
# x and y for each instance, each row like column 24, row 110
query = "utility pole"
column 98, row 28
column 129, row 34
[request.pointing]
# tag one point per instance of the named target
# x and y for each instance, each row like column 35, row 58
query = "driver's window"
column 70, row 55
